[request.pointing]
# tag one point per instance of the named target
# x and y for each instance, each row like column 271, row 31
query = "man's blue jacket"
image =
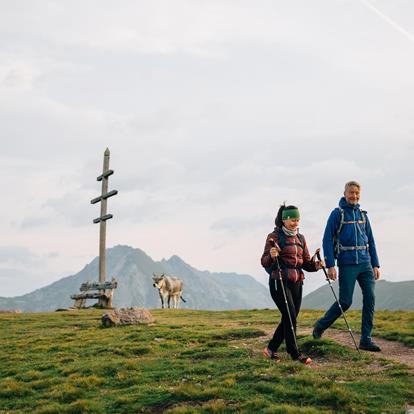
column 352, row 234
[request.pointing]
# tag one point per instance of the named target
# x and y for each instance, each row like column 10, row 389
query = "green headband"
column 290, row 214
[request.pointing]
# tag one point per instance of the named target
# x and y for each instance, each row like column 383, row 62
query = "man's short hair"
column 352, row 184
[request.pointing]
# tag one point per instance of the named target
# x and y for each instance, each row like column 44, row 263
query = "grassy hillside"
column 388, row 295
column 188, row 362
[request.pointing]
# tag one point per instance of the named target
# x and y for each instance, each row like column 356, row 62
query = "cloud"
column 16, row 281
column 18, row 255
column 239, row 225
column 36, row 221
column 150, row 27
column 214, row 112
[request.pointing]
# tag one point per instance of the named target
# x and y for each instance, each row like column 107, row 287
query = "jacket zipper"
column 296, row 262
column 356, row 238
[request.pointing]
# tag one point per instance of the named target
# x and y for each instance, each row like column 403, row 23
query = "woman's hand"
column 320, row 263
column 274, row 252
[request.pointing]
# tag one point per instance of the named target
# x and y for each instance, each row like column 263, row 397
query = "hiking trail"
column 391, row 350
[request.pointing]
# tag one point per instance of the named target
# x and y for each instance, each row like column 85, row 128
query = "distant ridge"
column 388, row 295
column 133, row 269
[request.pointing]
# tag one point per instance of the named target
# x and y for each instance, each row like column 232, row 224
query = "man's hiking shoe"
column 371, row 346
column 317, row 332
column 303, row 359
column 271, row 354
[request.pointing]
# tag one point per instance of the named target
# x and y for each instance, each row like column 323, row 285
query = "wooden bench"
column 105, row 293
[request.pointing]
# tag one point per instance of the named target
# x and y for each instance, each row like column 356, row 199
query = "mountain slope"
column 133, row 269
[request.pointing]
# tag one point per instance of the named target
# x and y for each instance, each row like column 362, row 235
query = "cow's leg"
column 176, row 301
column 162, row 301
column 169, row 300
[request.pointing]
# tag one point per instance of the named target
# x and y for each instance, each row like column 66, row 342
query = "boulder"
column 127, row 316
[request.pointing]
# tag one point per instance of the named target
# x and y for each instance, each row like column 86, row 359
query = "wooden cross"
column 103, row 199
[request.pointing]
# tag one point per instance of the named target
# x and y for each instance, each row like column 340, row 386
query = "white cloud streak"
column 390, row 21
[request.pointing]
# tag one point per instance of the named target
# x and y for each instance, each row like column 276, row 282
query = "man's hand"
column 377, row 273
column 332, row 273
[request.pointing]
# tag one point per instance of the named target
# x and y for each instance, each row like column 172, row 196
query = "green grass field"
column 191, row 362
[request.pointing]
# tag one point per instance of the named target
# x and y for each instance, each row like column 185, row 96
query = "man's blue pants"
column 348, row 275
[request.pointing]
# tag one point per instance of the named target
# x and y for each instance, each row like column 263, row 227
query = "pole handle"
column 273, row 241
column 318, row 255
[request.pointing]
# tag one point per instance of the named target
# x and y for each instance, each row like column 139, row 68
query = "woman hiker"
column 285, row 257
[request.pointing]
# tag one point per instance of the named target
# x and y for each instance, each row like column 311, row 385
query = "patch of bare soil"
column 391, row 350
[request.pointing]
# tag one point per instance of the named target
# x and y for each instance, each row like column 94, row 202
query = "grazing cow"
column 168, row 287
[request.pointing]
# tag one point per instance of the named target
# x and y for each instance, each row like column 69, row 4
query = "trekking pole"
column 337, row 301
column 285, row 297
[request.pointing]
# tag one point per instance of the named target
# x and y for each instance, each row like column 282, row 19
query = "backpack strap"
column 337, row 246
column 282, row 238
column 338, row 231
column 302, row 240
column 364, row 218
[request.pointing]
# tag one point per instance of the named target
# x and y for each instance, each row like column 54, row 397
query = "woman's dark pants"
column 284, row 329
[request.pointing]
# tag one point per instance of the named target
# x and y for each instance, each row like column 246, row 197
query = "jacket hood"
column 344, row 204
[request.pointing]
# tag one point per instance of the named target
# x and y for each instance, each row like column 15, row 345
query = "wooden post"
column 102, row 227
column 103, row 199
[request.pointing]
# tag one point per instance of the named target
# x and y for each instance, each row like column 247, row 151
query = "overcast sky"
column 215, row 112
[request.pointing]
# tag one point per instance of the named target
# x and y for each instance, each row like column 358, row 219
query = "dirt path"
column 391, row 350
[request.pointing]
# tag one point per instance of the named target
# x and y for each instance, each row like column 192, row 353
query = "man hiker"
column 348, row 238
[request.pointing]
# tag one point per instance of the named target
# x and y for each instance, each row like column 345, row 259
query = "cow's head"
column 158, row 280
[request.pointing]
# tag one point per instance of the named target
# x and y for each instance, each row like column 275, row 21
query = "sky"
column 215, row 113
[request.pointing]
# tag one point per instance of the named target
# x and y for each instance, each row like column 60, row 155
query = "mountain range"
column 133, row 270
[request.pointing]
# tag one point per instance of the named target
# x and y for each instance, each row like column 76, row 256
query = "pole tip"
column 107, row 152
